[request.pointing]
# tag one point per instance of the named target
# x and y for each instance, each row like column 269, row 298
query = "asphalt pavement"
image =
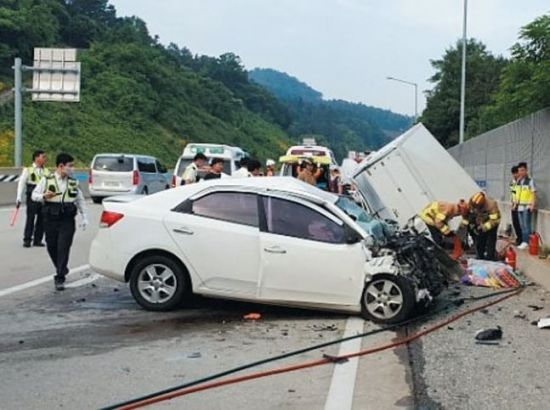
column 92, row 345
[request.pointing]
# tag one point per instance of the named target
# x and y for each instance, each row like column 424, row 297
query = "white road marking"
column 342, row 385
column 81, row 282
column 40, row 281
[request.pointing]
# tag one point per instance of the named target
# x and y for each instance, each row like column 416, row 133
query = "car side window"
column 160, row 168
column 292, row 219
column 146, row 165
column 236, row 207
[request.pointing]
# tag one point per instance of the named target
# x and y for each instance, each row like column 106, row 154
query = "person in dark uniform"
column 62, row 199
column 216, row 169
column 30, row 177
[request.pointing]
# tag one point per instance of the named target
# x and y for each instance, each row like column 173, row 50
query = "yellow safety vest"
column 514, row 191
column 431, row 216
column 34, row 178
column 67, row 197
column 525, row 194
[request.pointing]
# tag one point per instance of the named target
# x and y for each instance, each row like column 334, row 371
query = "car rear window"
column 114, row 164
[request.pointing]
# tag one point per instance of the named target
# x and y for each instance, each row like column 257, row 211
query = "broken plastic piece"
column 489, row 334
column 544, row 323
column 252, row 316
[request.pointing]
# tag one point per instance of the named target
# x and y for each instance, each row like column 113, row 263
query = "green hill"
column 137, row 96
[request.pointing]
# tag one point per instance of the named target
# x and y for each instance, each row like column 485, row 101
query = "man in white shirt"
column 190, row 175
column 242, row 172
column 30, row 177
column 62, row 199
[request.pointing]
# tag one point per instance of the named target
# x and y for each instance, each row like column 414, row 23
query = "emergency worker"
column 526, row 203
column 482, row 221
column 514, row 197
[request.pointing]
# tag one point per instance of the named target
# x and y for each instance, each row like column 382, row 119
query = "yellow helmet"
column 477, row 200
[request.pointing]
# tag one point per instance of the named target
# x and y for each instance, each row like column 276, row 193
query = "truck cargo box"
column 401, row 178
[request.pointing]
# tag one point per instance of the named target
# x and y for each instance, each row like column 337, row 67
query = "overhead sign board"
column 56, row 75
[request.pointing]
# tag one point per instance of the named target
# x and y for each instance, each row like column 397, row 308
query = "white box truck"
column 401, row 178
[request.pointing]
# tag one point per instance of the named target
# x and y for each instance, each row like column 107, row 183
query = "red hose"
column 315, row 363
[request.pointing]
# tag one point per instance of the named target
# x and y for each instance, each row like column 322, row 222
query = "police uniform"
column 34, row 228
column 59, row 218
column 526, row 195
column 191, row 173
column 514, row 197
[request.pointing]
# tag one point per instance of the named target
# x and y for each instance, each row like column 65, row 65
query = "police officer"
column 62, row 198
column 30, row 177
column 191, row 173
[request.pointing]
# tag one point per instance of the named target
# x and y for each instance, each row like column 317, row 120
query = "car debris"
column 535, row 307
column 194, row 355
column 489, row 334
column 519, row 314
column 544, row 323
column 252, row 316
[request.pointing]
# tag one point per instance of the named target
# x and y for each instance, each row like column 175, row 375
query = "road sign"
column 56, row 75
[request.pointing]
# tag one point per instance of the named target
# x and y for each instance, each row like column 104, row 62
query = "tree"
column 525, row 82
column 442, row 113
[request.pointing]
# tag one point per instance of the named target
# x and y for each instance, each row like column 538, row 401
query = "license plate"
column 109, row 183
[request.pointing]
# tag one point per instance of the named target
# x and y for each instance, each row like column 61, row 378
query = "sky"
column 343, row 48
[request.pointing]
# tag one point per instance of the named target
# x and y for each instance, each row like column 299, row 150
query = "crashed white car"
column 268, row 240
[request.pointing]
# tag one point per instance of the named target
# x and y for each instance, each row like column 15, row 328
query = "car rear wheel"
column 388, row 299
column 158, row 283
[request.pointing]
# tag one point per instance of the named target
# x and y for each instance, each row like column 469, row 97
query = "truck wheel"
column 388, row 299
column 158, row 283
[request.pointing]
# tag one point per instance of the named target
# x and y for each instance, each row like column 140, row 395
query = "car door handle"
column 184, row 230
column 275, row 249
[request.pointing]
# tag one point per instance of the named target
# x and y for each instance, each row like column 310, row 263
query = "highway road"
column 92, row 346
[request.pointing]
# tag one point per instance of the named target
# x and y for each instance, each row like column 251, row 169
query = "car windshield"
column 373, row 226
column 114, row 164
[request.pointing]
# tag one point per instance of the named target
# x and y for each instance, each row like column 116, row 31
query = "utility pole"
column 18, row 111
column 463, row 75
column 415, row 93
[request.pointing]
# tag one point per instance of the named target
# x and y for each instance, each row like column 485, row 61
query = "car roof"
column 120, row 154
column 284, row 185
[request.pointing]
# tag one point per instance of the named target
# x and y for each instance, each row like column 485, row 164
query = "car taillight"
column 135, row 178
column 173, row 181
column 90, row 177
column 109, row 218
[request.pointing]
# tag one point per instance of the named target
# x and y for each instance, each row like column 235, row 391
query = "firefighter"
column 30, row 177
column 482, row 221
column 437, row 216
column 62, row 198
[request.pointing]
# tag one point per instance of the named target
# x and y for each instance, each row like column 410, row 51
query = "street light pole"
column 415, row 93
column 18, row 97
column 463, row 75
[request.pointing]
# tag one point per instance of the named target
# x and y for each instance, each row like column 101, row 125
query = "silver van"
column 116, row 174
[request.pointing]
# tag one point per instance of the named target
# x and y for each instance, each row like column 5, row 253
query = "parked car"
column 231, row 157
column 115, row 174
column 267, row 240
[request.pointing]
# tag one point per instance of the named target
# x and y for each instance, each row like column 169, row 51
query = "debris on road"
column 487, row 342
column 544, row 323
column 194, row 355
column 519, row 314
column 535, row 307
column 489, row 334
column 252, row 316
column 323, row 328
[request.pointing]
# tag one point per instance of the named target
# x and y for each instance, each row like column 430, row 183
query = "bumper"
column 103, row 192
column 101, row 261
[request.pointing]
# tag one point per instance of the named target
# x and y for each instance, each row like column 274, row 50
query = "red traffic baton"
column 13, row 217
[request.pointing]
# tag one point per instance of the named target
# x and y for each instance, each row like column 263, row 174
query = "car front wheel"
column 158, row 283
column 388, row 299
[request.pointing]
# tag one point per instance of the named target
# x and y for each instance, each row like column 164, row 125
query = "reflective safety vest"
column 67, row 197
column 34, row 178
column 432, row 215
column 485, row 218
column 525, row 194
column 514, row 191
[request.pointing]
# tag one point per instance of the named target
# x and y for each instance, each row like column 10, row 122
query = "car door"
column 218, row 235
column 161, row 171
column 305, row 257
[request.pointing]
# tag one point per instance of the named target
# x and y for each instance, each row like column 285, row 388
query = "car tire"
column 159, row 283
column 145, row 191
column 388, row 299
column 97, row 199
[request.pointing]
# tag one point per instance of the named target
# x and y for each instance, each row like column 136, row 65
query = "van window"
column 114, row 163
column 146, row 165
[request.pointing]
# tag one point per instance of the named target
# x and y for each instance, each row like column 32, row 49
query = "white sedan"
column 268, row 240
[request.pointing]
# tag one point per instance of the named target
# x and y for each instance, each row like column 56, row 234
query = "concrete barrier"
column 541, row 224
column 9, row 178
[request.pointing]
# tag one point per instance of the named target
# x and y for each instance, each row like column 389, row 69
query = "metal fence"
column 489, row 157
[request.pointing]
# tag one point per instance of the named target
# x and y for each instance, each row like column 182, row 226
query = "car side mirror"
column 351, row 236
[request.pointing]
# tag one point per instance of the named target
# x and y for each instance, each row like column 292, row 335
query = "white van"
column 231, row 157
column 117, row 174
